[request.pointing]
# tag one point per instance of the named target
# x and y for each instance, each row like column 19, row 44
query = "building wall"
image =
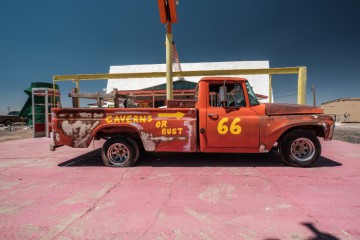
column 260, row 83
column 344, row 110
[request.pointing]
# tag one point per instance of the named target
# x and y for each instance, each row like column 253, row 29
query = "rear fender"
column 111, row 130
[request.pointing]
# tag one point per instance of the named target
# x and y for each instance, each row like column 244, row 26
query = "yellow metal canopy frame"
column 300, row 71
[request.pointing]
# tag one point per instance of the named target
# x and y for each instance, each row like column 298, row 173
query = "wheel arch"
column 113, row 130
column 317, row 130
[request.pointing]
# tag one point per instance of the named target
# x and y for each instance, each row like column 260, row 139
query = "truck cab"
column 228, row 109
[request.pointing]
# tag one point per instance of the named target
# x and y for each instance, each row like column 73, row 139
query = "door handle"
column 213, row 116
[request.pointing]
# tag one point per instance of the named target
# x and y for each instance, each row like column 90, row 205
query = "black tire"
column 7, row 122
column 52, row 147
column 299, row 148
column 120, row 151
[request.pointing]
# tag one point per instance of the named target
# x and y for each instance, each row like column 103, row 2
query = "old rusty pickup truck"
column 226, row 117
column 11, row 118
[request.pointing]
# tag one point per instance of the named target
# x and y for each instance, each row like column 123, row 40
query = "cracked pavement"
column 69, row 194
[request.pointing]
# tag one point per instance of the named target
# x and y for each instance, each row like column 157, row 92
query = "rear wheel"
column 300, row 148
column 120, row 152
column 7, row 122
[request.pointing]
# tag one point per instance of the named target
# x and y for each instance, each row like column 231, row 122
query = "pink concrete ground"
column 69, row 194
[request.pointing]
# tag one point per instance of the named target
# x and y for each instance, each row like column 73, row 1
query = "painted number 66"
column 235, row 129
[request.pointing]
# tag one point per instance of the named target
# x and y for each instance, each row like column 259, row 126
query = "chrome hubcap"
column 118, row 154
column 302, row 149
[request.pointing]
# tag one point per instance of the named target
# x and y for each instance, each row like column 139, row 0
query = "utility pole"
column 167, row 10
column 169, row 67
column 314, row 95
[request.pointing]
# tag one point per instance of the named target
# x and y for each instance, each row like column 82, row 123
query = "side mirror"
column 223, row 95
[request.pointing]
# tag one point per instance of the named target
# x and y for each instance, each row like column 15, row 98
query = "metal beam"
column 292, row 70
column 106, row 76
column 301, row 71
column 96, row 95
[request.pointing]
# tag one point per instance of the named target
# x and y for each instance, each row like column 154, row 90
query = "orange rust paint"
column 167, row 11
column 159, row 129
column 162, row 11
column 284, row 109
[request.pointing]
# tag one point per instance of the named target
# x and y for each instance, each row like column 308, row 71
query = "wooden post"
column 75, row 100
column 116, row 98
column 77, row 91
column 270, row 88
column 99, row 101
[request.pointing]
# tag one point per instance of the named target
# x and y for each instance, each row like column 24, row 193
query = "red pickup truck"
column 11, row 118
column 226, row 117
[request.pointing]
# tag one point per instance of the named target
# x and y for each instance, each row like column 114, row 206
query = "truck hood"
column 272, row 109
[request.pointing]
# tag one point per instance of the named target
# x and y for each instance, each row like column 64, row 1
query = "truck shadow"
column 221, row 160
column 318, row 235
column 93, row 159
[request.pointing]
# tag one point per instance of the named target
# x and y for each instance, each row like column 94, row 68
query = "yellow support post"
column 302, row 85
column 270, row 88
column 169, row 75
column 54, row 92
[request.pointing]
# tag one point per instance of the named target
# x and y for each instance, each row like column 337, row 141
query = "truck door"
column 231, row 124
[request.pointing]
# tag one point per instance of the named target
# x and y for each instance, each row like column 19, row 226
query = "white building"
column 260, row 83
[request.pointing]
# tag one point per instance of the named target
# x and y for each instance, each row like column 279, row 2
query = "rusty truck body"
column 226, row 117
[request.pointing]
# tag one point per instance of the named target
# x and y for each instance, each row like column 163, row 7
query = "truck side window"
column 214, row 95
column 235, row 95
column 239, row 99
column 213, row 99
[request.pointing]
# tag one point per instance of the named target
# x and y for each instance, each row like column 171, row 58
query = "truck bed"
column 155, row 128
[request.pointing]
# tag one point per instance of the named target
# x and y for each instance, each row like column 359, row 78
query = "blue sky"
column 41, row 38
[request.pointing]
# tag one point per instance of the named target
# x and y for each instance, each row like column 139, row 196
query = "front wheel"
column 120, row 152
column 299, row 148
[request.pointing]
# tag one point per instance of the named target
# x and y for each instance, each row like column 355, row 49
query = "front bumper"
column 328, row 131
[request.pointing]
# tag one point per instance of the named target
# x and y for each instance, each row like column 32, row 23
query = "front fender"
column 272, row 128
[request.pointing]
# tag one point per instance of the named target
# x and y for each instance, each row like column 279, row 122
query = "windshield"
column 252, row 97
